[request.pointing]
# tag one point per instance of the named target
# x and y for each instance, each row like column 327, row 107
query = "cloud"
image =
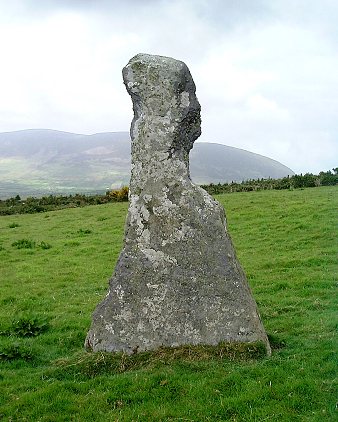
column 260, row 107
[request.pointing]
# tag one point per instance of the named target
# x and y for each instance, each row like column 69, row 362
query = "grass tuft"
column 28, row 326
column 15, row 351
column 93, row 364
column 84, row 231
column 44, row 245
column 24, row 244
column 276, row 342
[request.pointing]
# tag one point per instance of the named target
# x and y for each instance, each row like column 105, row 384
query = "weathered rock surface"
column 177, row 280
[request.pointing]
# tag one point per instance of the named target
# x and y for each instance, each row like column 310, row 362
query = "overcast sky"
column 266, row 71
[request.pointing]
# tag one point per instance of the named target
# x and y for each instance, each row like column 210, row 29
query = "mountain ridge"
column 44, row 161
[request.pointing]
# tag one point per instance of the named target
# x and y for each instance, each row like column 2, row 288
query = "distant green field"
column 53, row 271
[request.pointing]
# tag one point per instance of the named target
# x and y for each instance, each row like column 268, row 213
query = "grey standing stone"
column 177, row 280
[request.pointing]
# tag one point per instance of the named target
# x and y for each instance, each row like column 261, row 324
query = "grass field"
column 54, row 269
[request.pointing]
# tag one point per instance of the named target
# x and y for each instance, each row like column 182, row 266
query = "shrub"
column 13, row 225
column 119, row 194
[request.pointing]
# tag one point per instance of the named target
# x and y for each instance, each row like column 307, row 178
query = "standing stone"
column 177, row 280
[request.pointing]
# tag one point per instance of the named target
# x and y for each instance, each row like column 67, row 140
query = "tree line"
column 30, row 205
column 297, row 181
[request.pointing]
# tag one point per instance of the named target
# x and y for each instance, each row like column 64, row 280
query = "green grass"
column 287, row 244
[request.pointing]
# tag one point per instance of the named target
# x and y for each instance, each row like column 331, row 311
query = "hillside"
column 43, row 161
